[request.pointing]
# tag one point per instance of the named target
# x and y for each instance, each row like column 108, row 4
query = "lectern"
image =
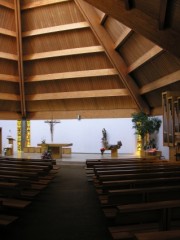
column 9, row 148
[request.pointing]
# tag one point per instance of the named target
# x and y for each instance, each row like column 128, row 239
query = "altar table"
column 55, row 148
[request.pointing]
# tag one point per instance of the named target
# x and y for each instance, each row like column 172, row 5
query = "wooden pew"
column 140, row 195
column 153, row 235
column 136, row 183
column 153, row 216
column 152, row 174
column 163, row 235
column 14, row 203
column 6, row 220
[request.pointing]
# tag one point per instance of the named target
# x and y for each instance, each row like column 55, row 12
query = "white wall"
column 85, row 134
column 8, row 127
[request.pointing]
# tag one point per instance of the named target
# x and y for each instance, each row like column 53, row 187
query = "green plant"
column 145, row 126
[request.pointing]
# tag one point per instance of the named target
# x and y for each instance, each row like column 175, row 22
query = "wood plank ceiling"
column 64, row 58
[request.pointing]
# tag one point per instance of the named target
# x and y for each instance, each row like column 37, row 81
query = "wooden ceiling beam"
column 42, row 3
column 72, row 75
column 141, row 23
column 161, row 82
column 103, row 18
column 153, row 52
column 8, row 56
column 9, row 78
column 61, row 28
column 163, row 14
column 20, row 58
column 10, row 115
column 85, row 114
column 6, row 4
column 129, row 4
column 62, row 53
column 7, row 32
column 9, row 97
column 78, row 94
column 105, row 40
column 124, row 36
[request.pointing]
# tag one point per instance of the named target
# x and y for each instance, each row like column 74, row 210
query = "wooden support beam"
column 72, row 75
column 9, row 97
column 9, row 78
column 8, row 56
column 124, row 36
column 6, row 4
column 10, row 116
column 61, row 28
column 162, row 82
column 42, row 3
column 62, row 53
column 103, row 18
column 105, row 40
column 162, row 14
column 77, row 94
column 141, row 23
column 153, row 52
column 85, row 114
column 129, row 4
column 7, row 32
column 20, row 59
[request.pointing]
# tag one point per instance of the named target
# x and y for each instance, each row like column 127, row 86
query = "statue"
column 51, row 124
column 106, row 145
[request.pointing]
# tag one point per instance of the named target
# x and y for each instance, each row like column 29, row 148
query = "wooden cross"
column 51, row 124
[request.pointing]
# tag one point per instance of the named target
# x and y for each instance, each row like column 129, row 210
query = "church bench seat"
column 104, row 186
column 165, row 212
column 6, row 220
column 162, row 235
column 155, row 174
column 14, row 203
column 126, row 196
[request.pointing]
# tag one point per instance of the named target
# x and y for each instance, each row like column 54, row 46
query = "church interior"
column 89, row 119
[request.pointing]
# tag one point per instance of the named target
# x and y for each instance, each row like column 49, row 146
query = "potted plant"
column 146, row 127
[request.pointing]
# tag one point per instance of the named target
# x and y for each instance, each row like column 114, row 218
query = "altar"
column 55, row 148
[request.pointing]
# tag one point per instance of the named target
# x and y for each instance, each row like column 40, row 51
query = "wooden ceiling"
column 97, row 59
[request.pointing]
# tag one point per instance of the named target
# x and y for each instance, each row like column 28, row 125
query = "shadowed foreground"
column 67, row 209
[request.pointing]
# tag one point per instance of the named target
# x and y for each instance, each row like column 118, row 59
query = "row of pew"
column 140, row 198
column 21, row 180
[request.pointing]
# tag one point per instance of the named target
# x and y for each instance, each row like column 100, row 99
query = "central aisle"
column 67, row 209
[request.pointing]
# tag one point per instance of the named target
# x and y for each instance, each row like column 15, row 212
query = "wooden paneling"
column 51, row 15
column 8, row 67
column 148, row 56
column 105, row 103
column 156, row 68
column 7, row 87
column 7, row 115
column 67, row 64
column 135, row 46
column 59, row 41
column 7, row 18
column 110, row 113
column 114, row 28
column 8, row 44
column 144, row 19
column 79, row 84
column 12, row 106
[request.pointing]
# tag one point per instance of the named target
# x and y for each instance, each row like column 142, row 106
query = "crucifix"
column 51, row 124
